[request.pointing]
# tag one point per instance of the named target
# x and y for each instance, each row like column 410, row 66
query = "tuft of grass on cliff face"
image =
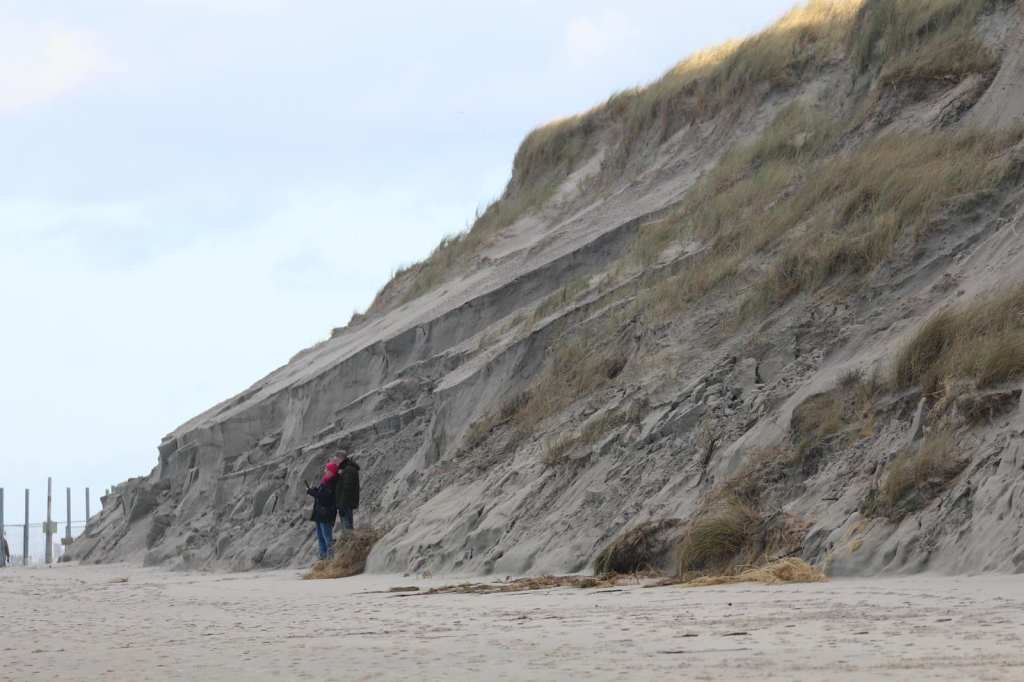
column 915, row 477
column 714, row 540
column 981, row 341
column 641, row 549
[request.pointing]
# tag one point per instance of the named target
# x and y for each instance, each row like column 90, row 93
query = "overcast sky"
column 191, row 191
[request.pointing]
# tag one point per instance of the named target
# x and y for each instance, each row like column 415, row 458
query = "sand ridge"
column 120, row 622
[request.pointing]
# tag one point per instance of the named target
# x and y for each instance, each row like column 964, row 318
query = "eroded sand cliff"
column 699, row 291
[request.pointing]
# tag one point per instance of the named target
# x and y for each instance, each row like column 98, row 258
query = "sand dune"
column 127, row 623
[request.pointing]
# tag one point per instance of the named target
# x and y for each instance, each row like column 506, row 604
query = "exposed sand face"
column 87, row 623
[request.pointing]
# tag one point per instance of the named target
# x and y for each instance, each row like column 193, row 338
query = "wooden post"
column 67, row 531
column 49, row 520
column 86, row 506
column 3, row 557
column 24, row 546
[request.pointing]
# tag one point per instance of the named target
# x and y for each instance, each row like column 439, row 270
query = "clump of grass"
column 561, row 298
column 573, row 370
column 351, row 550
column 644, row 548
column 606, row 422
column 841, row 414
column 556, row 450
column 915, row 477
column 715, row 539
column 761, row 469
column 479, row 430
column 981, row 341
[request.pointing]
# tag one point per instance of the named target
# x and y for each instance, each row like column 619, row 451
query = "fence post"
column 49, row 519
column 24, row 546
column 87, row 506
column 67, row 530
column 3, row 555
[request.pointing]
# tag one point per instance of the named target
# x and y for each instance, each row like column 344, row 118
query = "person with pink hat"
column 325, row 508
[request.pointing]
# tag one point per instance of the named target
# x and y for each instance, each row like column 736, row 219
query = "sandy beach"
column 127, row 623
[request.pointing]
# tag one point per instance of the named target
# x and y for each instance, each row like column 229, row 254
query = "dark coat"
column 325, row 507
column 348, row 486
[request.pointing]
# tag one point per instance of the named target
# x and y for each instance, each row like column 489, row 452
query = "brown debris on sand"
column 789, row 570
column 536, row 583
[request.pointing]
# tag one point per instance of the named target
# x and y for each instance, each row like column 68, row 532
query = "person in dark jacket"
column 325, row 508
column 348, row 490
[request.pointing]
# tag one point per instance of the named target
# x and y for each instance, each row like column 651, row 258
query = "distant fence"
column 49, row 529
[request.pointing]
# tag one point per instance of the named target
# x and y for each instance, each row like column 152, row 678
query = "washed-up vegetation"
column 787, row 570
column 348, row 558
column 532, row 584
column 981, row 342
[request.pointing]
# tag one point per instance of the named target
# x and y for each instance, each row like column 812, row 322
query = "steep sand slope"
column 644, row 331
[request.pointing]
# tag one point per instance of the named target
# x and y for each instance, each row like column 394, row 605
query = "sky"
column 192, row 191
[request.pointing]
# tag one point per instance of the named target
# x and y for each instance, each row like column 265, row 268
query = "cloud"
column 226, row 6
column 590, row 38
column 39, row 63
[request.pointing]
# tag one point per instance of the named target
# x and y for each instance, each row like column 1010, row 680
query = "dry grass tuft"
column 915, row 477
column 834, row 417
column 644, row 548
column 573, row 370
column 561, row 298
column 349, row 558
column 556, row 450
column 981, row 341
column 788, row 570
column 715, row 539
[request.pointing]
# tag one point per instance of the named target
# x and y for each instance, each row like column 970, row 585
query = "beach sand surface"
column 121, row 622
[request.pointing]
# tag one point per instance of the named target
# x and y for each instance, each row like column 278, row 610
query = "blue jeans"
column 325, row 536
column 346, row 517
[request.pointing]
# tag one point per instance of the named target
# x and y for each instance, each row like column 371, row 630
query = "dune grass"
column 715, row 539
column 643, row 548
column 915, row 477
column 855, row 208
column 981, row 341
column 892, row 41
column 923, row 39
column 575, row 366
